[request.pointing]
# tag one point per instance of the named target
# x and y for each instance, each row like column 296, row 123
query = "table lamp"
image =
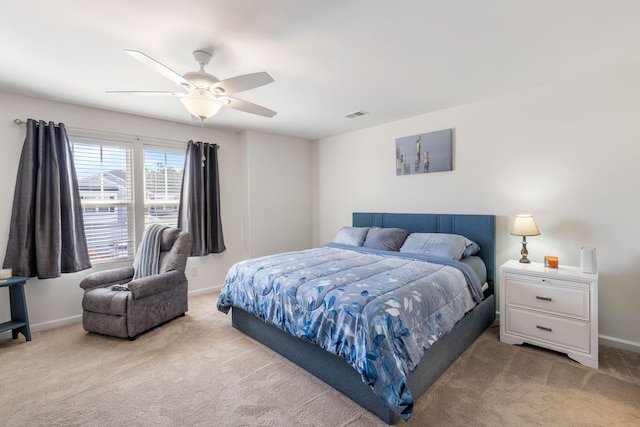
column 524, row 225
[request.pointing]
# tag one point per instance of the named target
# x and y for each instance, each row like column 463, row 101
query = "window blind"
column 104, row 171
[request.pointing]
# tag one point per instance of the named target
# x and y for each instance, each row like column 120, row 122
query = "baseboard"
column 619, row 343
column 43, row 326
column 209, row 290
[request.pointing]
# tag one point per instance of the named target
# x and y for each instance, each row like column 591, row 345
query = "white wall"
column 279, row 194
column 566, row 153
column 55, row 302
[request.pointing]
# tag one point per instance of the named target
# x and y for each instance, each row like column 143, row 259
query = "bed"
column 374, row 383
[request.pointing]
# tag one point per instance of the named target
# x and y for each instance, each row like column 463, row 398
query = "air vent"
column 355, row 114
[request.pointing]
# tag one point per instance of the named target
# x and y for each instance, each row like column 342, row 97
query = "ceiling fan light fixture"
column 201, row 106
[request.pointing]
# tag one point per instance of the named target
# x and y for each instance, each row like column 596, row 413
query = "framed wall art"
column 425, row 153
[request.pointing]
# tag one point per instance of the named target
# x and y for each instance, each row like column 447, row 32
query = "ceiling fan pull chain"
column 202, row 142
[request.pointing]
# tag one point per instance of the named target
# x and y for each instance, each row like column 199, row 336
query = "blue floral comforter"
column 378, row 310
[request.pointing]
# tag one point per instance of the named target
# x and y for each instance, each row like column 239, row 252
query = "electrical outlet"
column 194, row 270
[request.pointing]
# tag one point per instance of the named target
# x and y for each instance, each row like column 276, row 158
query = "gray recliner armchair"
column 144, row 302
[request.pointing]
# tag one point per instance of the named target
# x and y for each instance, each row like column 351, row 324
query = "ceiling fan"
column 205, row 94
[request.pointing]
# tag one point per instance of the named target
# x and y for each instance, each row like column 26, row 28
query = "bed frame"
column 336, row 372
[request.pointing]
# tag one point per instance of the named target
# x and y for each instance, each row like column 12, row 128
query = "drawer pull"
column 543, row 298
column 544, row 328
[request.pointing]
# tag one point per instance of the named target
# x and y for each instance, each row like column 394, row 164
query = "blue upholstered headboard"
column 479, row 228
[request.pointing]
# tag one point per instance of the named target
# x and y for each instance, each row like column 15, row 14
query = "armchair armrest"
column 107, row 278
column 156, row 284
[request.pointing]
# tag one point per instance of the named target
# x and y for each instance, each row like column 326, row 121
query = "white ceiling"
column 392, row 59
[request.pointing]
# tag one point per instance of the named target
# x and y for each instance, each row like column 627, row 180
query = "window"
column 162, row 183
column 105, row 182
column 105, row 171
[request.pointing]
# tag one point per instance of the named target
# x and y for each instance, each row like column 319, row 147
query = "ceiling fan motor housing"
column 201, row 79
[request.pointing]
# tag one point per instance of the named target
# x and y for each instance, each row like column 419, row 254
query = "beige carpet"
column 199, row 371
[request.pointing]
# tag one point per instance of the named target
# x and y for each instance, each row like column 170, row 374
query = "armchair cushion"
column 105, row 301
column 107, row 278
column 175, row 247
column 151, row 285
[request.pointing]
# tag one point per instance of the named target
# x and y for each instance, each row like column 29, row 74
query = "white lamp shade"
column 201, row 106
column 524, row 225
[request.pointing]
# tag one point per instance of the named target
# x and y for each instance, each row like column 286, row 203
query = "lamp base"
column 524, row 251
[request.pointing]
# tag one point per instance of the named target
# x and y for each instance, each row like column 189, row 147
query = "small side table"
column 19, row 322
column 555, row 308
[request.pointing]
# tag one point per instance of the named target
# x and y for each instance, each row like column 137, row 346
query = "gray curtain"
column 199, row 211
column 47, row 231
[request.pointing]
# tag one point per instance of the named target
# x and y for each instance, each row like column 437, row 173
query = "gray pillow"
column 386, row 239
column 450, row 246
column 352, row 236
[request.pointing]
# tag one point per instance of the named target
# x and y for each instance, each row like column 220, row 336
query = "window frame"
column 136, row 213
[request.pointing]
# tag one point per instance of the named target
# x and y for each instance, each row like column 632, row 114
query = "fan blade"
column 150, row 92
column 247, row 107
column 242, row 83
column 160, row 68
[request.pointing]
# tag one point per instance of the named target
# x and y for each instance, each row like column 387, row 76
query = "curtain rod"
column 20, row 122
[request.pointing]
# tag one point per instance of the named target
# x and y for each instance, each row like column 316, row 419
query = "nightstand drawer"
column 547, row 280
column 572, row 302
column 557, row 330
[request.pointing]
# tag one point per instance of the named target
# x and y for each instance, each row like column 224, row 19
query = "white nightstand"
column 555, row 308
